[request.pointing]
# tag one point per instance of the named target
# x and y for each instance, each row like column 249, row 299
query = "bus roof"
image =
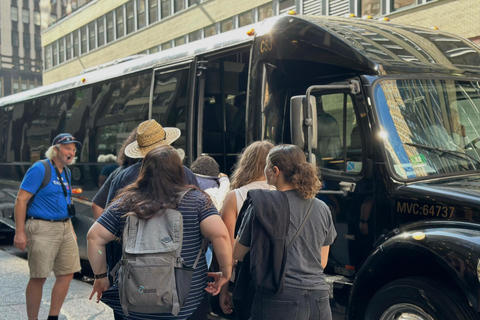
column 365, row 46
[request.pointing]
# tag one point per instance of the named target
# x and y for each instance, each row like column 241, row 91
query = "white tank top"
column 241, row 193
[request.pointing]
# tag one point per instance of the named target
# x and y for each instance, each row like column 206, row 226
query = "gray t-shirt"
column 303, row 266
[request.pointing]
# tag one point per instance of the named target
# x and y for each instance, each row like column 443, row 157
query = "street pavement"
column 14, row 279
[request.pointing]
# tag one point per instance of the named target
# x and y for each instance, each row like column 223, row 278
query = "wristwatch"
column 100, row 276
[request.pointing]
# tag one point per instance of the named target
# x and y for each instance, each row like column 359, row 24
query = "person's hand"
column 225, row 300
column 99, row 286
column 219, row 281
column 20, row 240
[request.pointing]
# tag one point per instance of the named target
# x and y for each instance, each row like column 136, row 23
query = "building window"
column 110, row 30
column 16, row 87
column 25, row 16
column 166, row 45
column 53, row 18
column 130, row 16
column 245, row 18
column 265, row 11
column 25, row 4
column 179, row 5
column 153, row 49
column 83, row 39
column 179, row 41
column 120, row 22
column 370, row 7
column 141, row 14
column 61, row 50
column 284, row 5
column 192, row 2
column 68, row 44
column 36, row 18
column 14, row 13
column 194, row 36
column 92, row 34
column 26, row 40
column 76, row 43
column 54, row 53
column 226, row 25
column 152, row 11
column 209, row 31
column 101, row 31
column 37, row 42
column 31, row 86
column 24, row 86
column 166, row 8
column 48, row 57
column 15, row 40
column 397, row 4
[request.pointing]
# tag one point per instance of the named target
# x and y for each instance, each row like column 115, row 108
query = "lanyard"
column 59, row 176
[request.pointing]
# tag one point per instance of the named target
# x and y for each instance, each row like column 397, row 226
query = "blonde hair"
column 51, row 152
column 292, row 163
column 250, row 164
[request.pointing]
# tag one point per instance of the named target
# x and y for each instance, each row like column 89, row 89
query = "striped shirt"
column 194, row 210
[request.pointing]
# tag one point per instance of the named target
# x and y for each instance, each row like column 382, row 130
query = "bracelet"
column 100, row 276
column 226, row 266
column 363, row 221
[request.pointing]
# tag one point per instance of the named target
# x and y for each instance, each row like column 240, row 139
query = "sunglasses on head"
column 66, row 139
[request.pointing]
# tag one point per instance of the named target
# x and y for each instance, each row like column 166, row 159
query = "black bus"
column 389, row 113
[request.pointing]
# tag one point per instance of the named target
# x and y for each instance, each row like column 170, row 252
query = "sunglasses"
column 66, row 139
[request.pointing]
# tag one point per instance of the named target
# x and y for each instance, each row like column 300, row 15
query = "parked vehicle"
column 392, row 122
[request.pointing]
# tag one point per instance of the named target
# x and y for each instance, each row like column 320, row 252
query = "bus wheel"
column 420, row 299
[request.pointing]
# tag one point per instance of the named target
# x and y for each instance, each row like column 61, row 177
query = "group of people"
column 269, row 234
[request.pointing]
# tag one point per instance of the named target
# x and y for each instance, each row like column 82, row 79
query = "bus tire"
column 419, row 298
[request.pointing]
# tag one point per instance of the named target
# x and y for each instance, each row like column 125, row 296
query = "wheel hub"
column 405, row 311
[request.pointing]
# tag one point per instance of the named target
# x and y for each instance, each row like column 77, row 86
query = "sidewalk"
column 13, row 281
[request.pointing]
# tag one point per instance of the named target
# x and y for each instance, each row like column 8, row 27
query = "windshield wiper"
column 442, row 152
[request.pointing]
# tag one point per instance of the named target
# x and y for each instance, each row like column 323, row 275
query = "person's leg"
column 33, row 295
column 319, row 302
column 291, row 304
column 59, row 292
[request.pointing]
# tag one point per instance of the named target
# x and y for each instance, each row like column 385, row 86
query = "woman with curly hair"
column 247, row 175
column 299, row 287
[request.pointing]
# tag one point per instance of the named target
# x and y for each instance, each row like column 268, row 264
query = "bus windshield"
column 429, row 126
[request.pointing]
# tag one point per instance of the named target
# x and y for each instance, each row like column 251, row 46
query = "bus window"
column 170, row 102
column 336, row 135
column 224, row 109
column 117, row 108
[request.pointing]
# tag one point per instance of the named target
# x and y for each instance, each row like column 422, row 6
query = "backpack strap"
column 303, row 223
column 45, row 181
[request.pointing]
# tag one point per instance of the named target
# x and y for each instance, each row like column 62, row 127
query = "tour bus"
column 390, row 114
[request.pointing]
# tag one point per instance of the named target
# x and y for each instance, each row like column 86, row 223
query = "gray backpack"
column 152, row 277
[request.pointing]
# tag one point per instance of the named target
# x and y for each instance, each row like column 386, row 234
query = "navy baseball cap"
column 65, row 138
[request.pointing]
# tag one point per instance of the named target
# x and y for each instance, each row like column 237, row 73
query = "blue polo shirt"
column 49, row 202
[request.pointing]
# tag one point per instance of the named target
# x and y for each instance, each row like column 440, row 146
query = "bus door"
column 338, row 148
column 222, row 85
column 171, row 106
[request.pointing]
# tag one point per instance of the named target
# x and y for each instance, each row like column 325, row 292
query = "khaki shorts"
column 51, row 247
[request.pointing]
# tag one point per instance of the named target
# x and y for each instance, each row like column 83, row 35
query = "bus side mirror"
column 299, row 121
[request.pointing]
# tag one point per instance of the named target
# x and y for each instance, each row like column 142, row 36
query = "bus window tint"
column 170, row 102
column 274, row 104
column 117, row 107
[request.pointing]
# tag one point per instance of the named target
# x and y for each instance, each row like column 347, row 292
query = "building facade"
column 104, row 30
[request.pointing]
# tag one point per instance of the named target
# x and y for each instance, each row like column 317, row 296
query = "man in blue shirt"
column 44, row 228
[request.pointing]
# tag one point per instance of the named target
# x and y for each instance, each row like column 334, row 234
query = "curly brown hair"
column 292, row 163
column 122, row 158
column 250, row 164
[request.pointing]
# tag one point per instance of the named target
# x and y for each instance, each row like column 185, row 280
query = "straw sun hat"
column 151, row 134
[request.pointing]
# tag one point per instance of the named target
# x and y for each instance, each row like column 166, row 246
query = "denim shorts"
column 292, row 304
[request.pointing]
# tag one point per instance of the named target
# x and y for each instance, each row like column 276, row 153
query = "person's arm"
column 214, row 229
column 324, row 253
column 97, row 211
column 223, row 189
column 239, row 250
column 98, row 236
column 20, row 239
column 229, row 214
